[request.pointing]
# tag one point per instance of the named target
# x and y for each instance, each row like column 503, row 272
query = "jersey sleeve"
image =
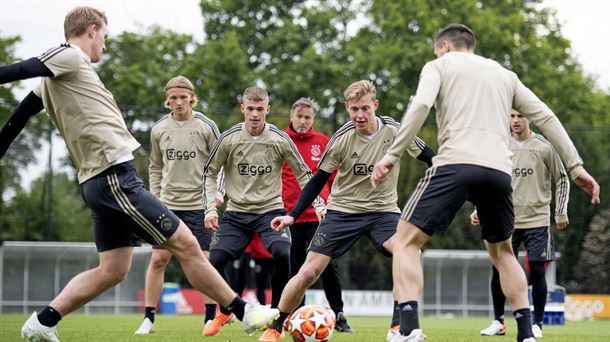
column 61, row 61
column 562, row 185
column 155, row 164
column 415, row 116
column 213, row 167
column 528, row 104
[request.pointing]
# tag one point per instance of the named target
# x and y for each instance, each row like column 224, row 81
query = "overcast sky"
column 40, row 24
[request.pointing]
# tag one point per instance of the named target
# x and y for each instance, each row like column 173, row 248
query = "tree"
column 21, row 152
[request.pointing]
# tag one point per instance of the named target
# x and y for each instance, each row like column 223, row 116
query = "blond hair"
column 78, row 19
column 183, row 83
column 359, row 89
column 255, row 93
column 306, row 102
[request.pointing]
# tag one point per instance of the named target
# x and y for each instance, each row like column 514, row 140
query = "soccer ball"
column 311, row 323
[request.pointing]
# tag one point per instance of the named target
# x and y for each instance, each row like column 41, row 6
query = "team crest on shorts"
column 166, row 224
column 319, row 240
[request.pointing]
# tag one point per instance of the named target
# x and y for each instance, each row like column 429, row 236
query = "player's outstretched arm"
column 29, row 107
column 29, row 68
column 588, row 184
column 311, row 190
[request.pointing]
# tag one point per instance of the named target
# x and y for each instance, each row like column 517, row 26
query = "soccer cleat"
column 212, row 327
column 531, row 339
column 271, row 335
column 341, row 324
column 147, row 327
column 257, row 316
column 33, row 331
column 416, row 335
column 395, row 330
column 495, row 328
column 537, row 330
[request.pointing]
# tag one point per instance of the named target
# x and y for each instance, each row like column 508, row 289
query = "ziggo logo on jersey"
column 253, row 170
column 523, row 172
column 180, row 155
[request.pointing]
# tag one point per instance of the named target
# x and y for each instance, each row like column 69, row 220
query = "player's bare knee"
column 160, row 260
column 308, row 275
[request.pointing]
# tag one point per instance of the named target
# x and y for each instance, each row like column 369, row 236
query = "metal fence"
column 33, row 273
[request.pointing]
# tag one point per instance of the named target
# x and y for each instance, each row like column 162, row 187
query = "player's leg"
column 231, row 241
column 332, row 289
column 497, row 327
column 301, row 236
column 540, row 247
column 153, row 288
column 279, row 247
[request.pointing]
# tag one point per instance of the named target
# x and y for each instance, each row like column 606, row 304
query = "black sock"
column 278, row 322
column 497, row 296
column 500, row 319
column 49, row 317
column 395, row 315
column 237, row 307
column 149, row 312
column 409, row 319
column 210, row 312
column 524, row 323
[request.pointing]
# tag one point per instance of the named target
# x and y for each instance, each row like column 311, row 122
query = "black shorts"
column 339, row 231
column 194, row 219
column 444, row 189
column 538, row 242
column 237, row 228
column 123, row 210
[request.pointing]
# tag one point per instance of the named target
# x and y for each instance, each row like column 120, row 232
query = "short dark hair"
column 460, row 36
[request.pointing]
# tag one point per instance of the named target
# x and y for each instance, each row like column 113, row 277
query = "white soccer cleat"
column 147, row 327
column 33, row 331
column 395, row 330
column 531, row 339
column 257, row 316
column 495, row 328
column 537, row 331
column 417, row 335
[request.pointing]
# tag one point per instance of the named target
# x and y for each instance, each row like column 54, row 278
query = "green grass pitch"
column 95, row 327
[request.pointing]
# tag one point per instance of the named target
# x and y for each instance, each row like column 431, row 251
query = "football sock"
column 210, row 312
column 149, row 312
column 524, row 323
column 539, row 290
column 237, row 306
column 278, row 322
column 49, row 317
column 497, row 296
column 395, row 315
column 409, row 319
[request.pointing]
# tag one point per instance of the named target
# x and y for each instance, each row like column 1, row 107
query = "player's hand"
column 586, row 182
column 562, row 225
column 219, row 200
column 279, row 223
column 321, row 213
column 211, row 223
column 474, row 218
column 380, row 172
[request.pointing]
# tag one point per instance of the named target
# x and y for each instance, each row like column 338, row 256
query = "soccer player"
column 180, row 144
column 354, row 208
column 101, row 147
column 311, row 144
column 535, row 166
column 473, row 97
column 252, row 154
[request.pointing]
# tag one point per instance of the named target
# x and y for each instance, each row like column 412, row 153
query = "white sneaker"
column 147, row 327
column 257, row 316
column 33, row 331
column 391, row 332
column 416, row 335
column 495, row 328
column 536, row 330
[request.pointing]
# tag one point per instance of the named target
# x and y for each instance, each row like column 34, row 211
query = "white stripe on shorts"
column 415, row 197
column 130, row 210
